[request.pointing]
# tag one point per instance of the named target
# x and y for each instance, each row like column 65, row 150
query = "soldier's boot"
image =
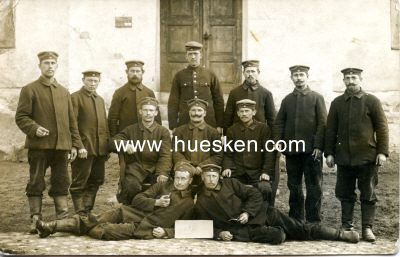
column 61, row 206
column 79, row 206
column 89, row 200
column 327, row 233
column 47, row 228
column 35, row 208
column 347, row 215
column 367, row 220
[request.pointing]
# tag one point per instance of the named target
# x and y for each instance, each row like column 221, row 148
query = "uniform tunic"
column 123, row 110
column 192, row 83
column 264, row 104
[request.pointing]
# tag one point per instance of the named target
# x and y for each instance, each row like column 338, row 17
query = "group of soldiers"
column 232, row 188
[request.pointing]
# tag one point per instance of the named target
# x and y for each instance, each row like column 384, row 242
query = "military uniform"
column 88, row 173
column 143, row 165
column 302, row 116
column 356, row 132
column 248, row 166
column 48, row 104
column 195, row 82
column 138, row 220
column 230, row 198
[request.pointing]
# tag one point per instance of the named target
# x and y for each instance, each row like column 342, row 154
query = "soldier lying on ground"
column 152, row 213
column 239, row 214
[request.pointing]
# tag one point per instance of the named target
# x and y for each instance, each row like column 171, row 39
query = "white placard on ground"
column 194, row 229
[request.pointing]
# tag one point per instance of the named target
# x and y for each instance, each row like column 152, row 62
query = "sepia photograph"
column 199, row 127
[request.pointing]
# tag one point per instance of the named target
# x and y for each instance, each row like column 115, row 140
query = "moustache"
column 196, row 116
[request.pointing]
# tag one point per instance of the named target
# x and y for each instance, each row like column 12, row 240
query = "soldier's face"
column 193, row 57
column 246, row 114
column 210, row 179
column 299, row 79
column 197, row 114
column 135, row 75
column 148, row 112
column 48, row 67
column 182, row 180
column 352, row 82
column 91, row 83
column 251, row 75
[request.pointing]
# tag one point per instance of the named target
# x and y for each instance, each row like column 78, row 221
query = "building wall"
column 327, row 35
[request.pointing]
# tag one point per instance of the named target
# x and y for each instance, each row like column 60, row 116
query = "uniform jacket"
column 49, row 105
column 253, row 162
column 192, row 83
column 357, row 129
column 265, row 104
column 90, row 113
column 146, row 216
column 228, row 201
column 147, row 160
column 302, row 116
column 123, row 110
column 187, row 135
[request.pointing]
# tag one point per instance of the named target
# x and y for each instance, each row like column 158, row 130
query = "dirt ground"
column 14, row 214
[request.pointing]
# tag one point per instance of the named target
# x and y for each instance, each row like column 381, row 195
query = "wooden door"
column 217, row 24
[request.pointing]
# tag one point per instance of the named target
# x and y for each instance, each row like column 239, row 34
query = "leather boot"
column 347, row 215
column 35, row 208
column 89, row 199
column 367, row 220
column 327, row 233
column 47, row 228
column 79, row 206
column 61, row 205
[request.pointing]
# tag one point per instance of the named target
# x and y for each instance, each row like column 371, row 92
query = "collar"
column 46, row 82
column 251, row 127
column 304, row 91
column 201, row 126
column 348, row 95
column 134, row 87
column 151, row 128
column 89, row 94
column 208, row 192
column 191, row 68
column 253, row 87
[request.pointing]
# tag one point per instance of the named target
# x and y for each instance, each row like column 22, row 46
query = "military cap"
column 193, row 45
column 148, row 101
column 185, row 166
column 211, row 168
column 351, row 71
column 246, row 103
column 47, row 55
column 91, row 73
column 134, row 63
column 299, row 68
column 198, row 102
column 251, row 63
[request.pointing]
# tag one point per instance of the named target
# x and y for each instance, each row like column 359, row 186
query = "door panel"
column 217, row 24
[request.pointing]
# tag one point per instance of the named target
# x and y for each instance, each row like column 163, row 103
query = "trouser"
column 39, row 161
column 263, row 186
column 132, row 184
column 87, row 177
column 366, row 179
column 296, row 166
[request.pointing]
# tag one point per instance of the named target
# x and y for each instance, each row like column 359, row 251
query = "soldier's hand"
column 243, row 218
column 73, row 154
column 198, row 171
column 225, row 235
column 162, row 178
column 380, row 159
column 317, row 154
column 82, row 153
column 42, row 132
column 264, row 177
column 130, row 149
column 220, row 130
column 227, row 173
column 330, row 161
column 159, row 232
column 163, row 201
